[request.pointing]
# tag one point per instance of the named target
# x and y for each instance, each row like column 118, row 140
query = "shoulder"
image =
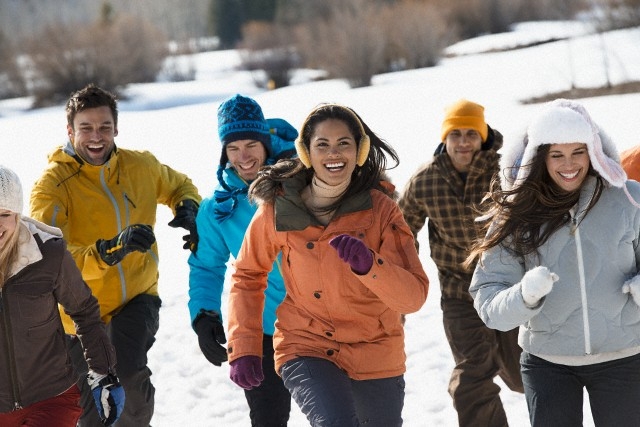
column 142, row 156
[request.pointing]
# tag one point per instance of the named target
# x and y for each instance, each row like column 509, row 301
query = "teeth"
column 334, row 165
column 569, row 175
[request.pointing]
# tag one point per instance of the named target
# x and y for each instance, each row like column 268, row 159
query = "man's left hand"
column 186, row 212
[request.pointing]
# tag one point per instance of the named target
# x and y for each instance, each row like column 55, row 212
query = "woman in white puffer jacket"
column 561, row 259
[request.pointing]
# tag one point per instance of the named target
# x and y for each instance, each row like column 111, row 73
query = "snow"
column 177, row 122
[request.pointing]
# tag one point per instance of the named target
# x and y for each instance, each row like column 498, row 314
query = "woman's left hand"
column 632, row 286
column 353, row 251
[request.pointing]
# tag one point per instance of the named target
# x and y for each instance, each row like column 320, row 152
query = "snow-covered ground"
column 177, row 122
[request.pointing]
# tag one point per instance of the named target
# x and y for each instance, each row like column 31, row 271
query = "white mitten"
column 536, row 283
column 632, row 286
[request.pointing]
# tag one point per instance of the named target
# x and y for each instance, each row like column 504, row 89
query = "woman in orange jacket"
column 350, row 269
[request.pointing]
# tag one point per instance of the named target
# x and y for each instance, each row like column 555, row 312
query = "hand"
column 246, row 371
column 136, row 237
column 108, row 395
column 537, row 283
column 353, row 251
column 632, row 286
column 186, row 212
column 211, row 336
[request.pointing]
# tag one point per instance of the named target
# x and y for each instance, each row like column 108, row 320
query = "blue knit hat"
column 240, row 117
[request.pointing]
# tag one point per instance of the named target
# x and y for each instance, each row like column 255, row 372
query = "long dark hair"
column 530, row 213
column 364, row 177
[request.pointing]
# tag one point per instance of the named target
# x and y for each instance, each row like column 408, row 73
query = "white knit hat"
column 10, row 190
column 562, row 121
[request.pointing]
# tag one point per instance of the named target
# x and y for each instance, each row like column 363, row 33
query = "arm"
column 207, row 267
column 412, row 207
column 397, row 276
column 79, row 303
column 497, row 290
column 248, row 283
column 49, row 204
column 174, row 187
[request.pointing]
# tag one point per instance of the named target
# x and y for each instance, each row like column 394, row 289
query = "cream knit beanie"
column 10, row 190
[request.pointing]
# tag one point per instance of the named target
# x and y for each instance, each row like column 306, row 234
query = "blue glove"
column 108, row 395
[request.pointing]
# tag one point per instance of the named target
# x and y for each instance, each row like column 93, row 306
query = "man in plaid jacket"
column 448, row 190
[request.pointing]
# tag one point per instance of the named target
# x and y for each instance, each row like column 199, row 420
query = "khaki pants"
column 480, row 354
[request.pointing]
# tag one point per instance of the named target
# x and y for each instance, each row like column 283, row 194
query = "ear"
column 303, row 153
column 70, row 132
column 363, row 149
column 115, row 132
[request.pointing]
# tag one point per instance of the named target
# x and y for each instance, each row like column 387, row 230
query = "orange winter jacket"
column 329, row 311
column 630, row 159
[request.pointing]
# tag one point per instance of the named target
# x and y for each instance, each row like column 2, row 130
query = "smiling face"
column 8, row 224
column 92, row 134
column 568, row 165
column 246, row 156
column 333, row 151
column 462, row 144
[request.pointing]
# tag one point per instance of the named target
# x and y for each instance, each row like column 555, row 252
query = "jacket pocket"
column 36, row 302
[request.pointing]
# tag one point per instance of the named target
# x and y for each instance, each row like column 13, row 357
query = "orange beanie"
column 464, row 114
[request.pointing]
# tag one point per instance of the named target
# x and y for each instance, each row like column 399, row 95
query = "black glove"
column 186, row 212
column 136, row 237
column 211, row 336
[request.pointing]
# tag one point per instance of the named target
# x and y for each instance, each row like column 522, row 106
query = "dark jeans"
column 480, row 354
column 328, row 397
column 555, row 392
column 270, row 403
column 132, row 332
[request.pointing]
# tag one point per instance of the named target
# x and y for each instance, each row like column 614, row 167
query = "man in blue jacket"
column 248, row 142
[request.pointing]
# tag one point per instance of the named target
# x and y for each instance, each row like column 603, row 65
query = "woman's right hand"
column 535, row 284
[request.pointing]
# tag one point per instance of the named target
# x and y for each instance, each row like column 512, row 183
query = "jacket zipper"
column 116, row 207
column 583, row 290
column 10, row 353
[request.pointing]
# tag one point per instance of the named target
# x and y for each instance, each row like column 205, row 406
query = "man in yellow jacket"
column 104, row 199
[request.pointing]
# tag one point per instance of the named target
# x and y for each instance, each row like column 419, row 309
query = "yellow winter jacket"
column 90, row 202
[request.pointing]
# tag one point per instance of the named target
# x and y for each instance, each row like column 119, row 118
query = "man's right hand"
column 211, row 336
column 136, row 237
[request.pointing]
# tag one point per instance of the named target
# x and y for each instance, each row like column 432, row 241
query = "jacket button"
column 329, row 334
column 309, row 245
column 230, row 350
column 329, row 352
column 316, row 294
column 380, row 261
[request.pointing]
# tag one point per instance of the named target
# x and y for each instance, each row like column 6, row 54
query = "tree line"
column 51, row 47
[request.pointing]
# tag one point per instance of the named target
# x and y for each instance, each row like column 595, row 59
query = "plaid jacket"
column 437, row 192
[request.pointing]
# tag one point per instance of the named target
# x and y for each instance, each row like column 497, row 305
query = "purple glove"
column 353, row 251
column 246, row 371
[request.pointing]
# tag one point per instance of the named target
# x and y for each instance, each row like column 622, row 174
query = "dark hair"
column 530, row 213
column 91, row 96
column 364, row 177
